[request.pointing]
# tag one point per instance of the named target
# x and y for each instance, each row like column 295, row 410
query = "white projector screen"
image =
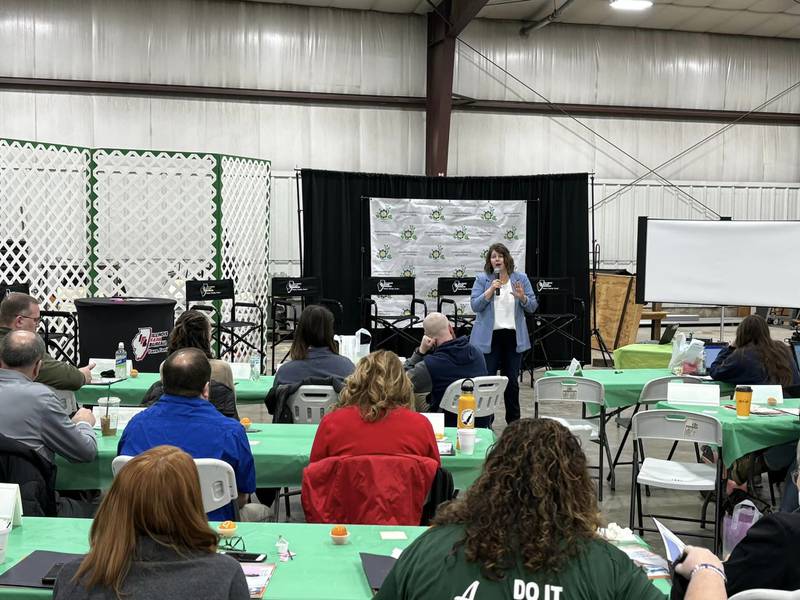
column 745, row 263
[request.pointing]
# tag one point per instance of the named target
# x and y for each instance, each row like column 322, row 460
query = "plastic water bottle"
column 121, row 362
column 255, row 366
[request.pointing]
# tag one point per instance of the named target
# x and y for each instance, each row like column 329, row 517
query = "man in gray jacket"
column 32, row 414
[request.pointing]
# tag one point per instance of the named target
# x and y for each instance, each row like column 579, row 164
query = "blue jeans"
column 504, row 356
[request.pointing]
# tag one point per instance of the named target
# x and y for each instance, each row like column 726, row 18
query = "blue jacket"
column 745, row 367
column 481, row 336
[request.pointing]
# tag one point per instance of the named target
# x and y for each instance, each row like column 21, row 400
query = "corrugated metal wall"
column 617, row 211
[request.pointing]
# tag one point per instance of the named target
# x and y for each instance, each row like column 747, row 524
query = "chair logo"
column 387, row 286
column 147, row 342
column 459, row 286
column 294, row 286
column 207, row 289
column 543, row 284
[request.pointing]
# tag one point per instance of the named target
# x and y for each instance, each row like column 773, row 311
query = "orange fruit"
column 339, row 530
column 134, row 373
column 227, row 525
column 245, row 421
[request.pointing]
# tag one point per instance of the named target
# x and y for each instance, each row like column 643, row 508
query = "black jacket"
column 220, row 395
column 278, row 396
column 766, row 557
column 36, row 477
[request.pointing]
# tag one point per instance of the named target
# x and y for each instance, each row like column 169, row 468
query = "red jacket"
column 344, row 433
column 367, row 489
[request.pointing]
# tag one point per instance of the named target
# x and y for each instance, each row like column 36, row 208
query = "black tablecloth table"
column 142, row 324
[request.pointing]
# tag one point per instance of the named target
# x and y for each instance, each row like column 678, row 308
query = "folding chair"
column 488, row 392
column 762, row 594
column 589, row 393
column 682, row 426
column 217, row 482
column 399, row 324
column 308, row 405
column 212, row 290
column 59, row 341
column 446, row 289
column 654, row 391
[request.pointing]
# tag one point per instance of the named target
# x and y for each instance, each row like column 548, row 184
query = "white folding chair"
column 488, row 392
column 762, row 594
column 585, row 392
column 312, row 402
column 653, row 392
column 681, row 426
column 217, row 481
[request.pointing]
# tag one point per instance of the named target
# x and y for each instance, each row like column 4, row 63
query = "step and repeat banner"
column 428, row 239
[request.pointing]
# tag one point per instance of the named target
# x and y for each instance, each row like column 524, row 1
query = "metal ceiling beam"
column 417, row 103
column 444, row 24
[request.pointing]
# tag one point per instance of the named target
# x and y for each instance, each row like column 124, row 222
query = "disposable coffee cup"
column 109, row 415
column 743, row 396
column 466, row 441
column 4, row 531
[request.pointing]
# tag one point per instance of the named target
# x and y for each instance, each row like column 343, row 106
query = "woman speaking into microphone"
column 500, row 298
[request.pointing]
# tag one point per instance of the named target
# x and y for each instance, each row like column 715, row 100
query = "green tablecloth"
column 643, row 356
column 622, row 387
column 131, row 391
column 280, row 453
column 743, row 436
column 319, row 571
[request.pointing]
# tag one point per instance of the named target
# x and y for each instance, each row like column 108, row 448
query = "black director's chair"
column 400, row 325
column 455, row 286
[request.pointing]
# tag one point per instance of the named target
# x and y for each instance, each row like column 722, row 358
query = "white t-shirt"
column 504, row 308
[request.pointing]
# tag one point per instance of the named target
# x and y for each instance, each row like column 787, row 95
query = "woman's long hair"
column 314, row 330
column 753, row 333
column 502, row 251
column 192, row 330
column 155, row 495
column 378, row 385
column 534, row 501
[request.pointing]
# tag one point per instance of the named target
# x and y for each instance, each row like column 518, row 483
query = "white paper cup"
column 466, row 441
column 3, row 542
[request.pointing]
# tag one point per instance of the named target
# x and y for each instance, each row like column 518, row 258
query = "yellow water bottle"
column 466, row 405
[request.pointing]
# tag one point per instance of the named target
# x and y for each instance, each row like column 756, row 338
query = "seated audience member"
column 193, row 330
column 21, row 312
column 31, row 414
column 374, row 415
column 766, row 557
column 756, row 359
column 314, row 353
column 184, row 417
column 441, row 359
column 150, row 539
column 527, row 527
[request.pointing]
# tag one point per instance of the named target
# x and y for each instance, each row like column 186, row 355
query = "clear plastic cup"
column 466, row 440
column 109, row 415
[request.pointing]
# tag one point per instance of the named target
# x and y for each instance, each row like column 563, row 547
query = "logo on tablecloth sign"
column 511, row 234
column 384, row 253
column 407, row 271
column 437, row 253
column 409, row 233
column 488, row 214
column 147, row 342
column 384, row 214
column 437, row 214
column 461, row 233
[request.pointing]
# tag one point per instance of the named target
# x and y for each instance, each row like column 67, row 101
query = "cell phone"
column 246, row 556
column 50, row 577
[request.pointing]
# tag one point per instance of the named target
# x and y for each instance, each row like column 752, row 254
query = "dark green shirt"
column 428, row 570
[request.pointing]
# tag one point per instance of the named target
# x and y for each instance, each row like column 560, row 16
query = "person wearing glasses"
column 21, row 312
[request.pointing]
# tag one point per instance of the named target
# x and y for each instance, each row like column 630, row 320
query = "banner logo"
column 147, row 342
column 437, row 214
column 408, row 271
column 384, row 253
column 488, row 214
column 437, row 253
column 409, row 233
column 511, row 234
column 460, row 271
column 433, row 293
column 461, row 233
column 384, row 214
column 484, row 254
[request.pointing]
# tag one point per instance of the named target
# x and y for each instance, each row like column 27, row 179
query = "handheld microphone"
column 497, row 276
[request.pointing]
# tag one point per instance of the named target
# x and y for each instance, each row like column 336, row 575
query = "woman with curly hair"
column 375, row 414
column 527, row 528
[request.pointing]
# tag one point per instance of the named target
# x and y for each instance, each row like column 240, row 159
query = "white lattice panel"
column 245, row 232
column 155, row 222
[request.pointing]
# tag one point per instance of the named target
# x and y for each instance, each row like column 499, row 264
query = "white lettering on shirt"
column 530, row 591
column 469, row 593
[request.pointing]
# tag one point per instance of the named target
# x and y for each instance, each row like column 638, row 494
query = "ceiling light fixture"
column 631, row 4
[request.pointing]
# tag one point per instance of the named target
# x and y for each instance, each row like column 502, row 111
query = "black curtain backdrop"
column 336, row 224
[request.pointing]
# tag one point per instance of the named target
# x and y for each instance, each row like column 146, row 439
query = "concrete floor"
column 615, row 506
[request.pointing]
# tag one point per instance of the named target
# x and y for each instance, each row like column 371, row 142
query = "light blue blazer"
column 481, row 336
